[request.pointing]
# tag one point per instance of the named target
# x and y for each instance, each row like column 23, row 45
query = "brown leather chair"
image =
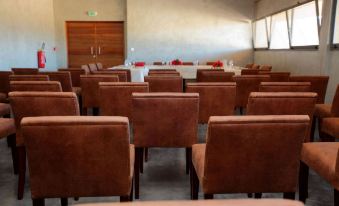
column 101, row 149
column 245, row 85
column 75, row 75
column 158, row 63
column 278, row 76
column 165, row 83
column 188, row 63
column 200, row 71
column 64, row 78
column 7, row 129
column 25, row 71
column 216, row 76
column 255, row 66
column 28, row 78
column 121, row 74
column 90, row 90
column 92, row 68
column 248, row 202
column 178, row 129
column 266, row 67
column 319, row 85
column 164, row 74
column 215, row 99
column 255, row 72
column 162, row 70
column 249, row 66
column 4, row 85
column 283, row 103
column 35, row 86
column 129, row 76
column 5, row 110
column 31, row 104
column 285, row 87
column 326, row 110
column 331, row 127
column 321, row 157
column 240, row 150
column 116, row 97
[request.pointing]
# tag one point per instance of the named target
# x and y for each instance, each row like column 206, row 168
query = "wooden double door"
column 93, row 42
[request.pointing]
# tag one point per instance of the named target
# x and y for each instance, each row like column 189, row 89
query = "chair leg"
column 188, row 159
column 12, row 144
column 146, row 154
column 142, row 160
column 303, row 182
column 289, row 195
column 336, row 197
column 257, row 195
column 194, row 183
column 64, row 202
column 21, row 152
column 137, row 172
column 124, row 199
column 208, row 196
column 38, row 202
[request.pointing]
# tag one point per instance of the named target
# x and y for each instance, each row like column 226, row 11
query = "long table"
column 187, row 72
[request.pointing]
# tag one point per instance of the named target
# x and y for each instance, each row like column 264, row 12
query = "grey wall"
column 190, row 29
column 316, row 62
column 24, row 25
column 75, row 10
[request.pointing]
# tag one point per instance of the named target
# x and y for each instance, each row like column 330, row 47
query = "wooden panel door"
column 81, row 43
column 110, row 43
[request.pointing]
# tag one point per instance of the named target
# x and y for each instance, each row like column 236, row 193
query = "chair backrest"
column 100, row 66
column 116, row 97
column 28, row 78
column 75, row 75
column 121, row 74
column 162, row 70
column 240, row 150
column 158, row 63
column 99, row 145
column 163, row 74
column 165, row 83
column 33, row 104
column 247, row 84
column 4, row 81
column 128, row 71
column 216, row 76
column 35, row 86
column 319, row 85
column 63, row 77
column 255, row 66
column 90, row 88
column 25, row 71
column 266, row 67
column 249, row 66
column 285, row 87
column 278, row 76
column 188, row 63
column 165, row 119
column 335, row 103
column 92, row 67
column 282, row 103
column 200, row 71
column 215, row 99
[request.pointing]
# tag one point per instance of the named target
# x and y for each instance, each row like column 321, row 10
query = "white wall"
column 75, row 10
column 315, row 62
column 24, row 25
column 190, row 29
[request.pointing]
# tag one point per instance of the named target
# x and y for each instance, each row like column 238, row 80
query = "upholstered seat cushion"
column 330, row 126
column 198, row 159
column 322, row 157
column 322, row 110
column 5, row 109
column 7, row 127
column 77, row 90
column 3, row 97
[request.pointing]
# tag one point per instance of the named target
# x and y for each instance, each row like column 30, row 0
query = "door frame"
column 124, row 34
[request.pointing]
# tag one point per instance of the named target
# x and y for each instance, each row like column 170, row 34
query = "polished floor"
column 164, row 178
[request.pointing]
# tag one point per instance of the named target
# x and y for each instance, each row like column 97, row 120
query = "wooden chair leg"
column 336, row 197
column 146, row 154
column 21, row 154
column 64, row 202
column 38, row 202
column 137, row 172
column 124, row 199
column 194, row 183
column 257, row 195
column 142, row 160
column 188, row 159
column 289, row 195
column 208, row 196
column 303, row 182
column 12, row 144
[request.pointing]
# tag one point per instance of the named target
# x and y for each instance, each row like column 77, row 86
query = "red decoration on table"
column 176, row 62
column 218, row 64
column 139, row 64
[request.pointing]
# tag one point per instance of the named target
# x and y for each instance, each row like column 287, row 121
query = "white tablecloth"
column 187, row 72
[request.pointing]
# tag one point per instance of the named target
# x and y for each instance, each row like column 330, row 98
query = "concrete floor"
column 164, row 178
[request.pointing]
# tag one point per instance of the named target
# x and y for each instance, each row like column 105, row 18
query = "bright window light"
column 260, row 34
column 279, row 32
column 336, row 26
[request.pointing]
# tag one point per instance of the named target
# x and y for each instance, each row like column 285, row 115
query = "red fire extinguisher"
column 42, row 57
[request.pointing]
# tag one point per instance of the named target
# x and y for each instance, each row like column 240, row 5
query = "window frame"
column 333, row 46
column 307, row 47
column 254, row 34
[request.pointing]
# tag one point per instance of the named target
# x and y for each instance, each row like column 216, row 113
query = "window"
column 336, row 24
column 260, row 34
column 279, row 32
column 304, row 25
column 320, row 7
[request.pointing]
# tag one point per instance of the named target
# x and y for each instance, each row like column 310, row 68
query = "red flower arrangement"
column 139, row 64
column 218, row 64
column 176, row 62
